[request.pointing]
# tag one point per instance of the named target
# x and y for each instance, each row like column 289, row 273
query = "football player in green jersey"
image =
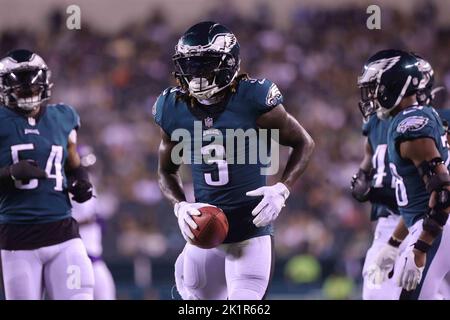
column 418, row 154
column 215, row 99
column 41, row 249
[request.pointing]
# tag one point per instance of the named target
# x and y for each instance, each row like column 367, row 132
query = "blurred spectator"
column 113, row 80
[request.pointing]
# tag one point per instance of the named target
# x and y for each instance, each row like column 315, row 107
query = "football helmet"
column 206, row 59
column 425, row 93
column 24, row 80
column 387, row 77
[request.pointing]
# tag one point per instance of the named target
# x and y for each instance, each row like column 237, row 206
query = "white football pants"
column 235, row 271
column 63, row 270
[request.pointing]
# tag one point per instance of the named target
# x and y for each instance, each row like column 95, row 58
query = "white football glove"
column 270, row 206
column 184, row 211
column 411, row 274
column 382, row 265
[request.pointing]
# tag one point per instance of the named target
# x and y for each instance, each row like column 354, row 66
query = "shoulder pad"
column 415, row 123
column 264, row 94
column 444, row 114
column 162, row 103
column 412, row 123
column 68, row 114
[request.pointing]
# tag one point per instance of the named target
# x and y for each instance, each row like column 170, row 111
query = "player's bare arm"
column 73, row 158
column 292, row 134
column 366, row 163
column 169, row 178
column 400, row 232
column 423, row 152
column 172, row 188
column 78, row 179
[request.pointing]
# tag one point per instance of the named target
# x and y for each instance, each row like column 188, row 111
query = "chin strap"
column 213, row 100
column 207, row 94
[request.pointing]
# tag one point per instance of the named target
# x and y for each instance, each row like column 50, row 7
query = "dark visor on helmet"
column 24, row 78
column 198, row 66
column 24, row 83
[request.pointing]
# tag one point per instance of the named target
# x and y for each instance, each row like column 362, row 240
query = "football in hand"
column 212, row 227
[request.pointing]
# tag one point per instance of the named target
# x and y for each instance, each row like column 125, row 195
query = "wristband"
column 79, row 173
column 422, row 246
column 393, row 241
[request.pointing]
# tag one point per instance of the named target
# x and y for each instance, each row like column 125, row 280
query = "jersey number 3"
column 222, row 165
column 54, row 160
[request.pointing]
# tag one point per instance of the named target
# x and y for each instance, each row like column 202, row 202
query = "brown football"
column 212, row 228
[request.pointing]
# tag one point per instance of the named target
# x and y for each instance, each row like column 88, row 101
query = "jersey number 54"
column 54, row 160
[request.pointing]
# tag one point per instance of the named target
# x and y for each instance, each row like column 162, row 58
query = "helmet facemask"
column 424, row 96
column 375, row 100
column 25, row 88
column 205, row 74
column 368, row 104
column 424, row 93
column 24, row 81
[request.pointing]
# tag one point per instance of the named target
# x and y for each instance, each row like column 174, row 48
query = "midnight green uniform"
column 412, row 123
column 221, row 183
column 45, row 141
column 417, row 122
column 382, row 194
column 444, row 114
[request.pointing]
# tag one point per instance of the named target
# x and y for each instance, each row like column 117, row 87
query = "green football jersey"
column 45, row 141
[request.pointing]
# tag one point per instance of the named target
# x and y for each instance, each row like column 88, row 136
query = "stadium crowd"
column 114, row 79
